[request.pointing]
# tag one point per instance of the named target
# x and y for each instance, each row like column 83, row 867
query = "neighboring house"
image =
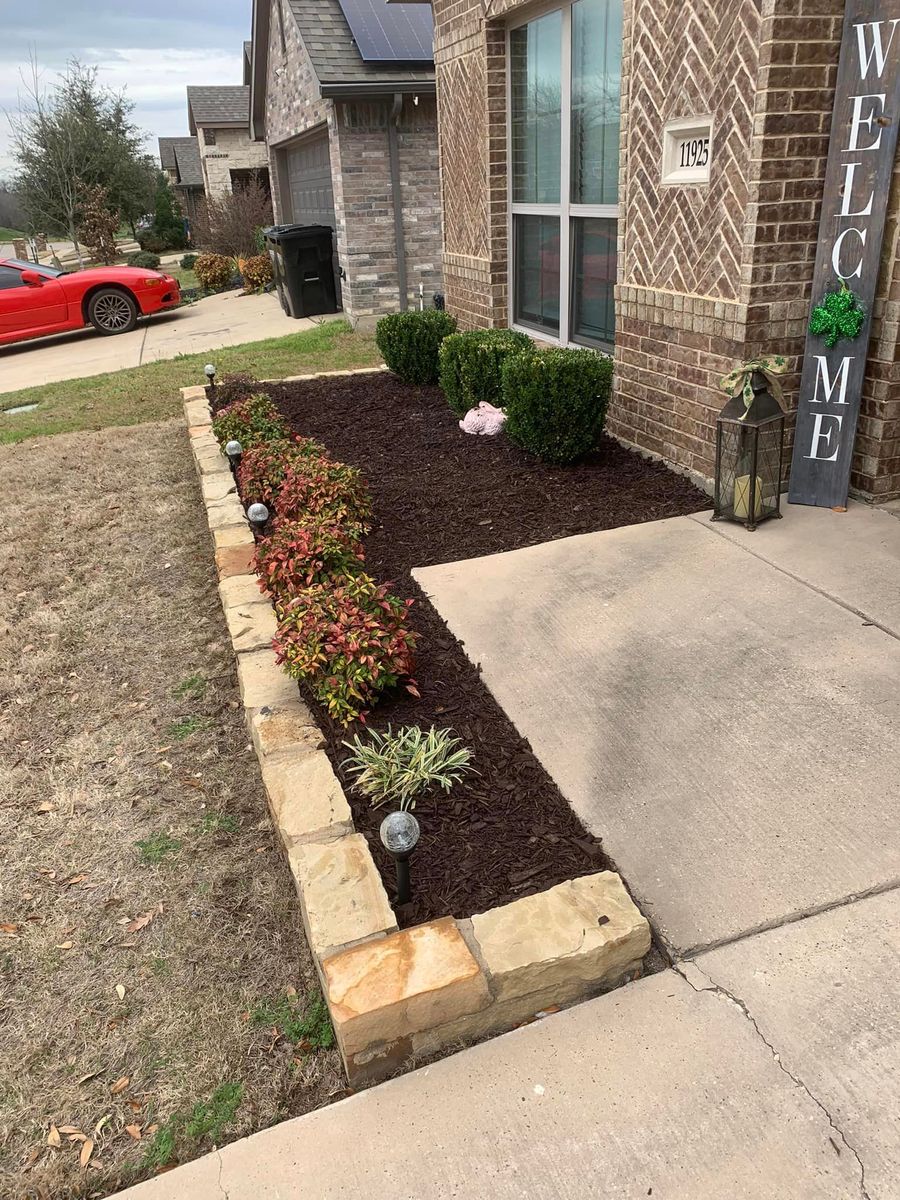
column 352, row 140
column 219, row 118
column 566, row 221
column 180, row 158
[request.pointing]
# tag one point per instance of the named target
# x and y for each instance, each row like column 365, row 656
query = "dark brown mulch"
column 441, row 495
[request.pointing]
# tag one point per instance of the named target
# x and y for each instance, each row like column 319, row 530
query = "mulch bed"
column 441, row 495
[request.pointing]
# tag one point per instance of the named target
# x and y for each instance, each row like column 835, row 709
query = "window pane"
column 596, row 92
column 593, row 277
column 537, row 271
column 536, row 85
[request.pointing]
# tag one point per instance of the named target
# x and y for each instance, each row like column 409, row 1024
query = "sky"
column 151, row 48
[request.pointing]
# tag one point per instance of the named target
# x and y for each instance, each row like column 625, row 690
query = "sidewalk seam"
column 731, row 998
column 706, row 524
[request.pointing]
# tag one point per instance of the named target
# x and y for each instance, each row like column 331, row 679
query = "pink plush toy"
column 483, row 419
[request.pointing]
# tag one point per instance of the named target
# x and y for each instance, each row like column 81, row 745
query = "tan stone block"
column 235, row 560
column 234, row 535
column 262, row 681
column 285, row 730
column 237, row 591
column 387, row 990
column 197, row 392
column 580, row 932
column 225, row 512
column 341, row 894
column 196, row 411
column 252, row 626
column 215, row 488
column 306, row 799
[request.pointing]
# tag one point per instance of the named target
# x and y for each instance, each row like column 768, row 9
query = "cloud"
column 151, row 55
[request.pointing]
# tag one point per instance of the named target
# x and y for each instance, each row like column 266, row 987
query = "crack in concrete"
column 219, row 1183
column 723, row 992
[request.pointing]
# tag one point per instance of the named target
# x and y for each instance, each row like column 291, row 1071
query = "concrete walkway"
column 749, row 685
column 229, row 319
column 722, row 707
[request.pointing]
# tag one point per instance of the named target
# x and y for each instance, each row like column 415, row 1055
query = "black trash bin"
column 303, row 267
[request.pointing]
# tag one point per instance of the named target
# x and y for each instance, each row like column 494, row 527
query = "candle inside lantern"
column 742, row 497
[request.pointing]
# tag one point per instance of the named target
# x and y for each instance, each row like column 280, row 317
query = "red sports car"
column 37, row 300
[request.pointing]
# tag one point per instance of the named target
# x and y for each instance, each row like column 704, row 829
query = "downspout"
column 394, row 160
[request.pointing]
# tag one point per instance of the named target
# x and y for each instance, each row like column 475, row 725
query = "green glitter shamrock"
column 839, row 315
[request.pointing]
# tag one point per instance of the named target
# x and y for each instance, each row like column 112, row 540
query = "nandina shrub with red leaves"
column 349, row 641
column 299, row 554
column 250, row 421
column 323, row 487
column 263, row 467
column 237, row 385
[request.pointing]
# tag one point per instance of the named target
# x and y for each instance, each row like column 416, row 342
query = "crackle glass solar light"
column 210, row 371
column 749, row 457
column 234, row 450
column 257, row 515
column 399, row 833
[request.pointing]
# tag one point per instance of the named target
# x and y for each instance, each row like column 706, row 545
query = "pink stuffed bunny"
column 483, row 419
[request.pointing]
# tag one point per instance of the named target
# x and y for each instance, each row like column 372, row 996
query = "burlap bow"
column 738, row 380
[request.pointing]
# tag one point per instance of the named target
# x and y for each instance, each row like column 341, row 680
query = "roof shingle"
column 334, row 54
column 218, row 106
column 182, row 155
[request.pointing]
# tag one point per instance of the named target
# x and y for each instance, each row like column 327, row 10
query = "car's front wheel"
column 112, row 311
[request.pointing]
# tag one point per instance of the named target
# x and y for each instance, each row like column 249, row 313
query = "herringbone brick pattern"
column 689, row 57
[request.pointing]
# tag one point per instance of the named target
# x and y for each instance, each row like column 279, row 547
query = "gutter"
column 337, row 91
column 394, row 159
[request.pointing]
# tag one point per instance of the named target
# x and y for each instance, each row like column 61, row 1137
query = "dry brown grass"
column 107, row 606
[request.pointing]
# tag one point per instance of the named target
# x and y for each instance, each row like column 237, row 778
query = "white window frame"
column 565, row 209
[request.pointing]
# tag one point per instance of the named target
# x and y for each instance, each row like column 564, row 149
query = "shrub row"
column 555, row 400
column 339, row 631
column 213, row 271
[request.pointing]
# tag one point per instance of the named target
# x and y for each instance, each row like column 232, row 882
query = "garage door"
column 309, row 183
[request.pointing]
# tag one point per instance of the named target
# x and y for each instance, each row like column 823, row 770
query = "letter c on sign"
column 836, row 253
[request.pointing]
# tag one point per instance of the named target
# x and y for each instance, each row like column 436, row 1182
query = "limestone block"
column 237, row 591
column 580, row 932
column 386, row 990
column 225, row 512
column 196, row 411
column 262, row 681
column 214, row 488
column 197, row 392
column 235, row 560
column 341, row 894
column 252, row 626
column 234, row 535
column 287, row 729
column 210, row 461
column 305, row 797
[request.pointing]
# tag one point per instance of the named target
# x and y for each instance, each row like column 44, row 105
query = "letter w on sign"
column 857, row 181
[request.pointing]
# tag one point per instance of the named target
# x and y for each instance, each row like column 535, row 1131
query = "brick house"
column 219, row 118
column 352, row 143
column 180, row 159
column 566, row 215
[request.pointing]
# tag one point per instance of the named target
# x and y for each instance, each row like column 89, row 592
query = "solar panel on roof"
column 390, row 32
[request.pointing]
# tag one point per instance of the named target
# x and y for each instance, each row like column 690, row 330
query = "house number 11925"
column 694, row 152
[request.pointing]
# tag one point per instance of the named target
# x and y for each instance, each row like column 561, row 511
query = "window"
column 209, row 137
column 565, row 86
column 9, row 278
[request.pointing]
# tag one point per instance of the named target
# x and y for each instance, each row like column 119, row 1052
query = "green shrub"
column 556, row 402
column 409, row 343
column 187, row 262
column 471, row 365
column 144, row 259
column 397, row 767
column 250, row 422
column 152, row 243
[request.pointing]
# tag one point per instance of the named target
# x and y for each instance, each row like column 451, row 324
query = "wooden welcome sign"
column 857, row 181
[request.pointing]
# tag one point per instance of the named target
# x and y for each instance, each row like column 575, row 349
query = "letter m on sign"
column 861, row 154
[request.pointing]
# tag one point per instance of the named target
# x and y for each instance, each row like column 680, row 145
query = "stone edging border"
column 393, row 995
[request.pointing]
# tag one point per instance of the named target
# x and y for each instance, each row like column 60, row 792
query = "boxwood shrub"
column 409, row 343
column 471, row 363
column 143, row 259
column 555, row 402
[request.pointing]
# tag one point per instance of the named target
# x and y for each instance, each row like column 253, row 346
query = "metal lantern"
column 749, row 456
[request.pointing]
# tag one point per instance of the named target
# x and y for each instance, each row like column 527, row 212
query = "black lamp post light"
column 750, row 445
column 257, row 515
column 399, row 833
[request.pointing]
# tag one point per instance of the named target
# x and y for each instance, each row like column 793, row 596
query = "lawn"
column 150, row 393
column 159, row 996
column 7, row 235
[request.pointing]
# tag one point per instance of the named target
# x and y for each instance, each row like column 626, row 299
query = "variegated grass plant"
column 397, row 767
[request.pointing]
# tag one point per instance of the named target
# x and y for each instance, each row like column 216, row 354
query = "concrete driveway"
column 228, row 319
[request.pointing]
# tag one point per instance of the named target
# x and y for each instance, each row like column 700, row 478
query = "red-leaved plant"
column 323, row 487
column 263, row 467
column 347, row 642
column 299, row 554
